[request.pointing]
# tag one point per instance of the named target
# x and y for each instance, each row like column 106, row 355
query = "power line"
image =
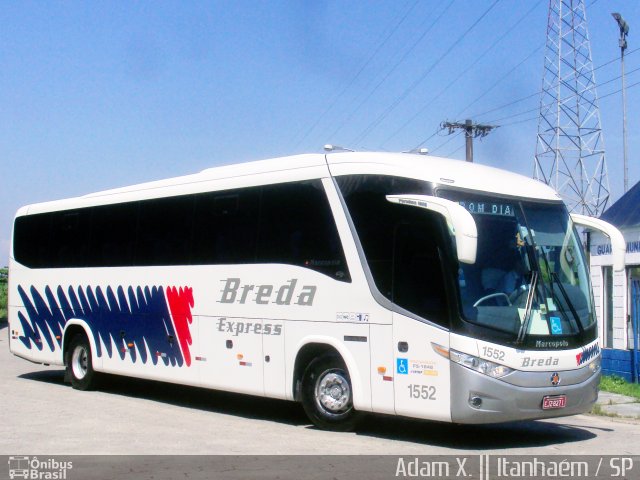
column 393, row 69
column 427, row 139
column 504, row 125
column 462, row 74
column 449, row 139
column 518, row 122
column 419, row 80
column 619, row 90
column 535, row 94
column 399, row 99
column 500, row 80
column 526, row 120
column 452, row 153
column 564, row 99
column 358, row 73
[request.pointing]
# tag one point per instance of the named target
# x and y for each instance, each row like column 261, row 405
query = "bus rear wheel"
column 79, row 365
column 327, row 395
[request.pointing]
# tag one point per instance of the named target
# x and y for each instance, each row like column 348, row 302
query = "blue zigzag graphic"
column 138, row 316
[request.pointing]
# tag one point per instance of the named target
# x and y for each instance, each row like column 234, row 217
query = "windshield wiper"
column 568, row 302
column 554, row 279
column 532, row 251
column 534, row 271
column 528, row 312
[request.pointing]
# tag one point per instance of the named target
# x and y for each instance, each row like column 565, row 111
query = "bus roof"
column 456, row 173
column 439, row 170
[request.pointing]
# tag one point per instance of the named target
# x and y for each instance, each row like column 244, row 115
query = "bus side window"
column 30, row 240
column 164, row 231
column 70, row 237
column 225, row 227
column 297, row 228
column 113, row 235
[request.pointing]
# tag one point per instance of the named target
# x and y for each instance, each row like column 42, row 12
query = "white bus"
column 351, row 282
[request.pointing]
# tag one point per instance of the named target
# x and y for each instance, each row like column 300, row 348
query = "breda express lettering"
column 234, row 291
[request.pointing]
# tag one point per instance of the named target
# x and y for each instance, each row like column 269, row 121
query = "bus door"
column 421, row 377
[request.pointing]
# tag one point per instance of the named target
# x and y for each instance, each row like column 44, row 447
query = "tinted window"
column 164, row 231
column 31, row 239
column 297, row 228
column 69, row 241
column 226, row 227
column 418, row 278
column 401, row 243
column 375, row 218
column 381, row 185
column 286, row 223
column 113, row 235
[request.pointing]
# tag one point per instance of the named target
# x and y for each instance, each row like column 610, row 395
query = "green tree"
column 4, row 276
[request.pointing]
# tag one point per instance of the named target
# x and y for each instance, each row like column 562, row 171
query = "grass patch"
column 3, row 293
column 619, row 385
column 598, row 410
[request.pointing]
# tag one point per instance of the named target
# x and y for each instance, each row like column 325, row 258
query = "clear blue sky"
column 95, row 95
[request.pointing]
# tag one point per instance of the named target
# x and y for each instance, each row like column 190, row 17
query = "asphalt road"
column 42, row 415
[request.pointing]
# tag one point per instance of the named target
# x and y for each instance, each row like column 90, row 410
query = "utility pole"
column 471, row 131
column 624, row 31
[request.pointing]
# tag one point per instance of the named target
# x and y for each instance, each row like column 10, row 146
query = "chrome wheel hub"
column 79, row 362
column 333, row 393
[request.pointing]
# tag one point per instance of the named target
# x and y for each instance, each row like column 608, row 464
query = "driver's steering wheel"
column 490, row 296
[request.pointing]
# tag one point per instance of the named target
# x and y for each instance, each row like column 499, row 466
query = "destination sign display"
column 489, row 208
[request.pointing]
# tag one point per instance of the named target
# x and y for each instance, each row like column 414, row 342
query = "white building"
column 617, row 294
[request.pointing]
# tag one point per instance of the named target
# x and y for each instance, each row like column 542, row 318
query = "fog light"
column 475, row 402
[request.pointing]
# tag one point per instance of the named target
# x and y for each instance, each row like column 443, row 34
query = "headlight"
column 480, row 365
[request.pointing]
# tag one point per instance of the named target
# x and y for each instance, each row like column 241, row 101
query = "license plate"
column 557, row 401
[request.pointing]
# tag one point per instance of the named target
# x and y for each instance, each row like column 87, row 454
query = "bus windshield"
column 530, row 277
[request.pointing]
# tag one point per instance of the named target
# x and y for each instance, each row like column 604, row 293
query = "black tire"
column 79, row 365
column 327, row 395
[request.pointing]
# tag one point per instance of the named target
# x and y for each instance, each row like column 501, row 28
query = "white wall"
column 599, row 258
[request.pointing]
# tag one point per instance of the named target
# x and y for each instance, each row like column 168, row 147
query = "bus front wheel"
column 79, row 365
column 327, row 395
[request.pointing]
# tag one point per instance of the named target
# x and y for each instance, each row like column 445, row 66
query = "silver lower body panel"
column 504, row 402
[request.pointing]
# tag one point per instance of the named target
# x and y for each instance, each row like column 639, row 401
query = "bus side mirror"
column 459, row 220
column 618, row 244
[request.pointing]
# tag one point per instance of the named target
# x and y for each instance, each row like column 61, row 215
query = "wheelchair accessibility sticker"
column 402, row 366
column 556, row 325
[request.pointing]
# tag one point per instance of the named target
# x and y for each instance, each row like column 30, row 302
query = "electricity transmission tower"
column 570, row 146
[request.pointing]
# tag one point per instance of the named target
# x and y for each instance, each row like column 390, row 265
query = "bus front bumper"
column 478, row 398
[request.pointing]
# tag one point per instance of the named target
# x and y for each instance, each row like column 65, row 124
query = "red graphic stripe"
column 180, row 304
